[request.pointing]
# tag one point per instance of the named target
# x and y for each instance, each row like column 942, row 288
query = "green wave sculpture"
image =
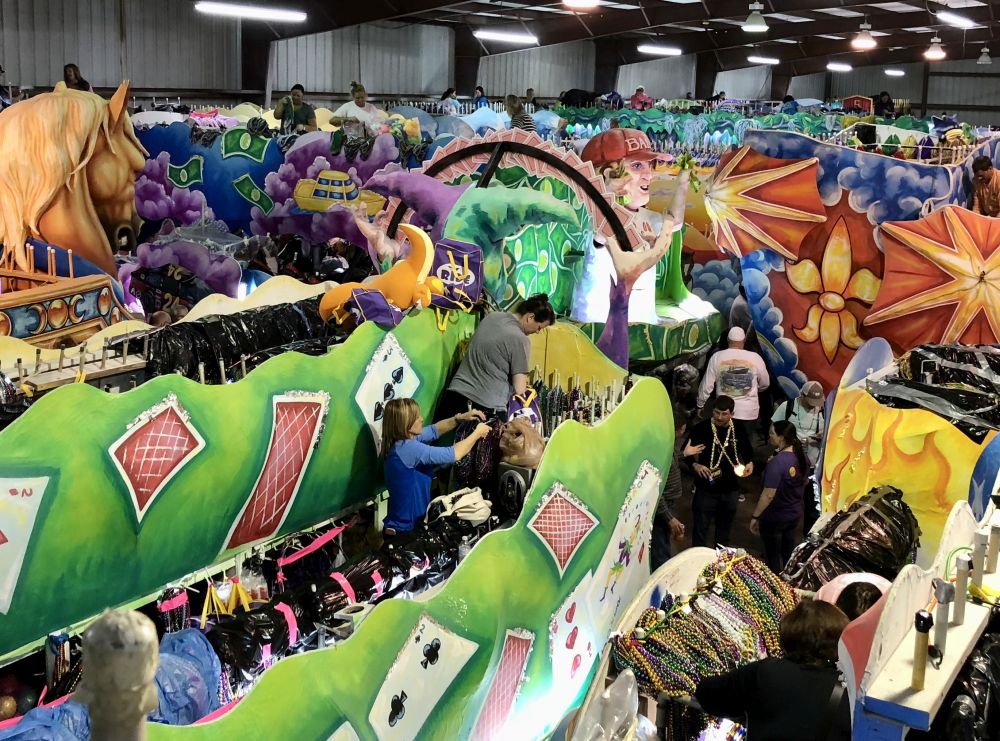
column 508, row 645
column 105, row 498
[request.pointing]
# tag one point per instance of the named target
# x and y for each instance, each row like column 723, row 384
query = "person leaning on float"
column 410, row 460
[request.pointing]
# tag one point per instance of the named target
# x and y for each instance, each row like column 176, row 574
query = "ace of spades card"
column 425, row 667
column 389, row 376
column 573, row 643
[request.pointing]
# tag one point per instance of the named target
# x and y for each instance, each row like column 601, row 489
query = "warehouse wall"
column 808, row 86
column 872, row 80
column 548, row 69
column 670, row 77
column 166, row 44
column 388, row 58
column 749, row 83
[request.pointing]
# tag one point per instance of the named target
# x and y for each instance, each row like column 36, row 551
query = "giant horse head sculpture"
column 68, row 161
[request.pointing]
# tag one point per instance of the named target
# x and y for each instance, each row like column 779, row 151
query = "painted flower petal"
column 810, row 332
column 829, row 333
column 804, row 277
column 864, row 286
column 849, row 330
column 837, row 259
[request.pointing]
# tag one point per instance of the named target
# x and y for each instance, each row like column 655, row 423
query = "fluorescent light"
column 755, row 22
column 895, row 72
column 250, row 12
column 864, row 40
column 934, row 51
column 839, row 67
column 508, row 36
column 763, row 60
column 583, row 4
column 663, row 51
column 985, row 58
column 953, row 19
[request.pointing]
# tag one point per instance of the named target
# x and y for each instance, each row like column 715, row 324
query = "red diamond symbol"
column 562, row 522
column 506, row 684
column 3, row 538
column 154, row 450
column 298, row 420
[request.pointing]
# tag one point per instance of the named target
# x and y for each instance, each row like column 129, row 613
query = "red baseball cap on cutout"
column 618, row 144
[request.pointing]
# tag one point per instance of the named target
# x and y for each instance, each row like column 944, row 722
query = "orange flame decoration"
column 757, row 201
column 926, row 457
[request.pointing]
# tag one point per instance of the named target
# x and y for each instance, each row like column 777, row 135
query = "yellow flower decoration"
column 829, row 320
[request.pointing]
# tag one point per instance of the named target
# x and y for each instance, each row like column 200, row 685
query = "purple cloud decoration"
column 156, row 198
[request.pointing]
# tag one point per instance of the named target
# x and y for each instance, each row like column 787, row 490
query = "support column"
column 607, row 60
column 779, row 86
column 468, row 52
column 706, row 70
column 923, row 89
column 255, row 52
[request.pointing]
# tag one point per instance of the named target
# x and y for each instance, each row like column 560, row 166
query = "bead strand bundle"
column 730, row 620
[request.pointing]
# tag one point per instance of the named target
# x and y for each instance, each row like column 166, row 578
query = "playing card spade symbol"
column 379, row 411
column 396, row 709
column 397, row 375
column 571, row 639
column 388, row 392
column 432, row 651
column 571, row 613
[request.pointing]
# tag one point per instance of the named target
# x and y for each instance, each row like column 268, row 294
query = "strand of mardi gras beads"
column 713, row 462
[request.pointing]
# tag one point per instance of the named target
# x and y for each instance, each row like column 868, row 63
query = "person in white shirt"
column 739, row 374
column 359, row 109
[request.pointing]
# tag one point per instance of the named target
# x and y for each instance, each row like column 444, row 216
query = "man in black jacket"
column 726, row 456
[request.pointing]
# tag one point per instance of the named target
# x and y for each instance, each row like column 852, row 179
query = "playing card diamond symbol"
column 562, row 522
column 506, row 685
column 389, row 375
column 297, row 426
column 156, row 446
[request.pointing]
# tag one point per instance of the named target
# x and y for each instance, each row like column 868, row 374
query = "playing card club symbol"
column 571, row 613
column 397, row 710
column 571, row 639
column 432, row 652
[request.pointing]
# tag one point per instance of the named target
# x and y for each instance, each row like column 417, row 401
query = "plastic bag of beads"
column 878, row 533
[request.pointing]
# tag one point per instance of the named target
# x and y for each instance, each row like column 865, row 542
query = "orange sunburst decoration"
column 942, row 274
column 756, row 201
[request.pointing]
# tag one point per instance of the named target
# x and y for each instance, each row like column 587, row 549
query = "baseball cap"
column 736, row 334
column 640, row 87
column 618, row 144
column 812, row 393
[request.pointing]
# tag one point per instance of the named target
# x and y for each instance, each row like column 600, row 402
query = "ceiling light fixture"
column 755, row 22
column 511, row 37
column 250, row 12
column 935, row 52
column 663, row 51
column 895, row 72
column 839, row 67
column 864, row 40
column 763, row 60
column 581, row 4
column 985, row 57
column 953, row 19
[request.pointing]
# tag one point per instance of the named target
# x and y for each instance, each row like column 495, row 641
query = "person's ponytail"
column 786, row 430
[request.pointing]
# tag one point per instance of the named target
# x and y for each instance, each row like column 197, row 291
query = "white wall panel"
column 808, row 86
column 749, row 83
column 385, row 57
column 548, row 69
column 945, row 91
column 872, row 80
column 166, row 44
column 670, row 78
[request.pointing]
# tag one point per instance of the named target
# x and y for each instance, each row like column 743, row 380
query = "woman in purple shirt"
column 779, row 509
column 410, row 460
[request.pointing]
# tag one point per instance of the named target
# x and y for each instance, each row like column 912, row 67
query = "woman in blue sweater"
column 410, row 460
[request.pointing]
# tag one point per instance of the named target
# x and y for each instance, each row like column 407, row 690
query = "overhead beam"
column 877, row 58
column 324, row 15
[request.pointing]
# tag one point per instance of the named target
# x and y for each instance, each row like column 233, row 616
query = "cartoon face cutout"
column 640, row 173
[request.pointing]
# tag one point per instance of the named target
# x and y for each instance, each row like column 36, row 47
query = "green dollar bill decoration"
column 188, row 174
column 239, row 142
column 247, row 188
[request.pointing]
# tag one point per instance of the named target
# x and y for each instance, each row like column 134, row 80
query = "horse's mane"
column 45, row 144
